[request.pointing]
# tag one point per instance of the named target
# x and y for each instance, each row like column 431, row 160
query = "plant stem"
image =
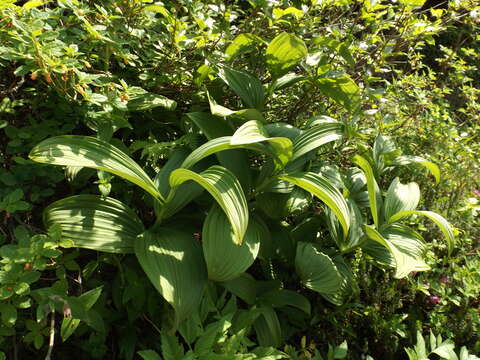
column 52, row 336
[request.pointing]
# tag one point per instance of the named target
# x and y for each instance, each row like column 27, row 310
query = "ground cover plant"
column 286, row 193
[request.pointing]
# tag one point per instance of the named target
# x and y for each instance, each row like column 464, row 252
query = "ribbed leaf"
column 407, row 160
column 374, row 195
column 439, row 220
column 321, row 188
column 244, row 114
column 216, row 145
column 347, row 283
column 226, row 259
column 283, row 297
column 283, row 52
column 401, row 197
column 225, row 189
column 174, row 264
column 184, row 194
column 253, row 132
column 234, row 160
column 281, row 129
column 406, row 249
column 267, row 327
column 316, row 137
column 94, row 222
column 316, row 270
column 86, row 151
column 245, row 85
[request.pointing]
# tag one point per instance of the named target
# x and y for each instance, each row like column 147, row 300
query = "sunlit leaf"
column 174, row 264
column 439, row 220
column 315, row 137
column 283, row 52
column 225, row 189
column 226, row 259
column 374, row 195
column 316, row 270
column 86, row 151
column 242, row 44
column 94, row 222
column 401, row 197
column 430, row 166
column 321, row 188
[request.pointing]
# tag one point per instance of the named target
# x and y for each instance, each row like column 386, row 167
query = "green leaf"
column 215, row 146
column 226, row 259
column 342, row 89
column 247, row 86
column 315, row 137
column 68, row 327
column 283, row 52
column 439, row 220
column 321, row 188
column 283, row 297
column 316, row 270
column 94, row 222
column 347, row 285
column 236, row 161
column 406, row 249
column 430, row 166
column 225, row 189
column 287, row 80
column 148, row 101
column 171, row 349
column 86, row 151
column 244, row 287
column 242, row 44
column 267, row 327
column 151, row 355
column 253, row 132
column 374, row 195
column 401, row 197
column 9, row 314
column 174, row 264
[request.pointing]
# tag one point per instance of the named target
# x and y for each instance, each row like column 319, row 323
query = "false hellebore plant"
column 235, row 230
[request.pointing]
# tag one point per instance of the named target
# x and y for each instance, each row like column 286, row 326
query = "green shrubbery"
column 276, row 143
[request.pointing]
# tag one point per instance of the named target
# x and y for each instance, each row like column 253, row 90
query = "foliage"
column 309, row 124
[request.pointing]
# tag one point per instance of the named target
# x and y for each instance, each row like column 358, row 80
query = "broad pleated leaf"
column 439, row 220
column 401, row 197
column 316, row 270
column 407, row 250
column 94, row 222
column 407, row 160
column 321, row 188
column 86, row 151
column 244, row 114
column 236, row 161
column 226, row 259
column 254, row 132
column 184, row 194
column 174, row 264
column 283, row 52
column 374, row 194
column 225, row 189
column 217, row 145
column 248, row 87
column 281, row 129
column 316, row 137
column 287, row 80
column 283, row 297
column 347, row 283
column 267, row 328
